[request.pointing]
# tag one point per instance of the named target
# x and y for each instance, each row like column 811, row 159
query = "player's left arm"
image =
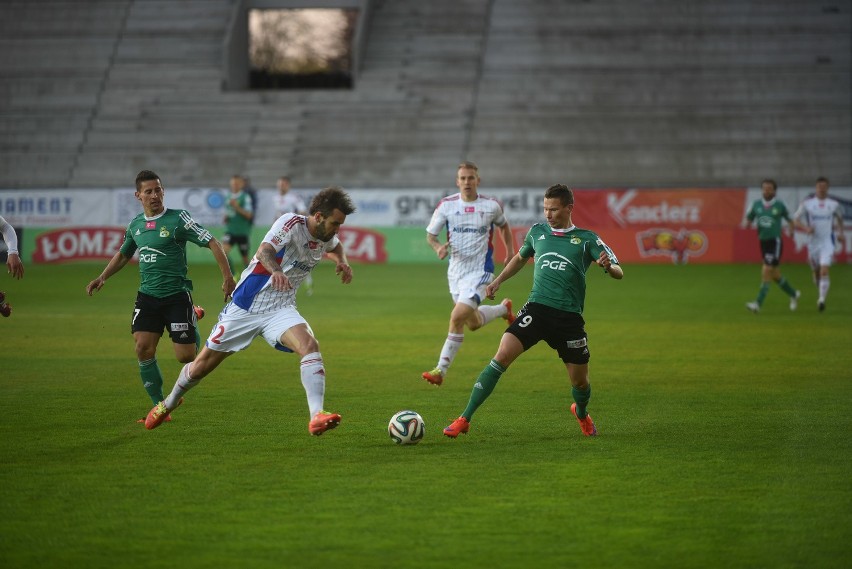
column 612, row 269
column 338, row 255
column 838, row 216
column 608, row 260
column 228, row 283
column 508, row 240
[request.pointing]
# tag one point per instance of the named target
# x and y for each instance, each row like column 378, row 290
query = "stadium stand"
column 658, row 93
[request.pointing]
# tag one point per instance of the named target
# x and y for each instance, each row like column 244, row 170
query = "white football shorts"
column 470, row 288
column 236, row 327
column 821, row 254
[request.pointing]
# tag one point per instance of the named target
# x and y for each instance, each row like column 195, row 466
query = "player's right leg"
column 509, row 350
column 146, row 325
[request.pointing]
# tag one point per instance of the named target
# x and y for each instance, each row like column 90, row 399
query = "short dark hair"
column 145, row 176
column 561, row 192
column 771, row 182
column 330, row 199
column 822, row 179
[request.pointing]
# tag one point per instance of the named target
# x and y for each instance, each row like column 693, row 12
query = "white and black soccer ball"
column 406, row 428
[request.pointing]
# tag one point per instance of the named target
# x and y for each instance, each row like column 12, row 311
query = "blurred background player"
column 553, row 312
column 239, row 214
column 13, row 258
column 469, row 219
column 264, row 304
column 291, row 202
column 770, row 214
column 164, row 299
column 816, row 216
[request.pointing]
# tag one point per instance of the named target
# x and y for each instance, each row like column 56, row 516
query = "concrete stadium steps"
column 701, row 88
column 177, row 166
column 36, row 169
column 658, row 92
column 650, row 165
column 664, row 91
column 61, row 18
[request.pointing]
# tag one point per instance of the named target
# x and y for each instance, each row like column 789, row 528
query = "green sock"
column 761, row 294
column 485, row 384
column 152, row 379
column 581, row 397
column 785, row 286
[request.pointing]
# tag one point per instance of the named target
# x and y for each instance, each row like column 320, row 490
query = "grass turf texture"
column 724, row 436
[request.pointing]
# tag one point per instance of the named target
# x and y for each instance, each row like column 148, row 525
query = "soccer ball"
column 406, row 428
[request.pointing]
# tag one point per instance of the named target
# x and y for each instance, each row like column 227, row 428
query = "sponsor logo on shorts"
column 576, row 343
column 178, row 326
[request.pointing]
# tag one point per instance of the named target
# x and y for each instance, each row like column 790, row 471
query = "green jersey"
column 161, row 242
column 236, row 224
column 561, row 261
column 769, row 217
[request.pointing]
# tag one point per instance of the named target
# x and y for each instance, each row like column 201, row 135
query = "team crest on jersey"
column 164, row 232
column 576, row 240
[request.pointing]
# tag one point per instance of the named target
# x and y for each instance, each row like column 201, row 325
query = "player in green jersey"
column 769, row 214
column 239, row 216
column 553, row 312
column 164, row 299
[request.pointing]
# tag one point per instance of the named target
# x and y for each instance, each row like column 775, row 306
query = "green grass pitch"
column 725, row 437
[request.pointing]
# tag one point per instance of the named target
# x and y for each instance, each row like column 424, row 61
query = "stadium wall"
column 642, row 225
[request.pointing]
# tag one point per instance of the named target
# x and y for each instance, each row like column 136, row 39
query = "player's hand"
column 280, row 282
column 96, row 284
column 228, row 286
column 491, row 289
column 15, row 267
column 604, row 261
column 345, row 272
column 443, row 251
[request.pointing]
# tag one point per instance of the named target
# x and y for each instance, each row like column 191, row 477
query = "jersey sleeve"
column 526, row 249
column 597, row 246
column 280, row 234
column 499, row 215
column 128, row 247
column 192, row 231
column 438, row 221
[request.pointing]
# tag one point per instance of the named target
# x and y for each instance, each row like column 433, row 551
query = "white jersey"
column 297, row 253
column 470, row 232
column 289, row 203
column 820, row 215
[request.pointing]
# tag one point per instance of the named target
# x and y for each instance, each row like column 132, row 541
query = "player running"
column 164, row 300
column 264, row 304
column 816, row 216
column 553, row 312
column 469, row 219
column 768, row 214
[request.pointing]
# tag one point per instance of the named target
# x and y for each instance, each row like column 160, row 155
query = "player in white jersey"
column 816, row 216
column 264, row 304
column 469, row 219
column 288, row 202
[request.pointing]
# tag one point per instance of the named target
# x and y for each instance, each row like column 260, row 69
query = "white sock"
column 824, row 283
column 313, row 380
column 183, row 384
column 449, row 351
column 490, row 312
